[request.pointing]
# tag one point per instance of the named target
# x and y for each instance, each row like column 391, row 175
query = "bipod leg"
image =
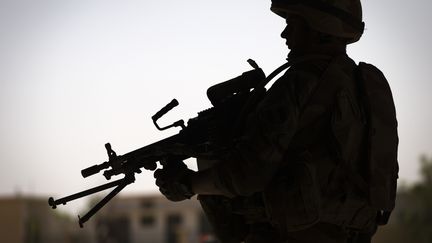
column 53, row 203
column 124, row 182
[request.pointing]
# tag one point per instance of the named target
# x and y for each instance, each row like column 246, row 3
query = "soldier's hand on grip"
column 173, row 181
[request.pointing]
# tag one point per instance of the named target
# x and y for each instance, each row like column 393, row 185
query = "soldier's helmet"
column 341, row 18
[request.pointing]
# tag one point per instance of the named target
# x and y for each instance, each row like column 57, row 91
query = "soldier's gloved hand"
column 173, row 181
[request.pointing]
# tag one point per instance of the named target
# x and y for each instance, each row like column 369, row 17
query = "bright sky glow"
column 77, row 74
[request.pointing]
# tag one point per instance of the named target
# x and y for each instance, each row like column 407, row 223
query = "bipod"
column 118, row 184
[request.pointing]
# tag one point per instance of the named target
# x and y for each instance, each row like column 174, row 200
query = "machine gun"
column 205, row 136
column 209, row 135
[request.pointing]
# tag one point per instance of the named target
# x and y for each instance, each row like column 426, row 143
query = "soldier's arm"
column 260, row 152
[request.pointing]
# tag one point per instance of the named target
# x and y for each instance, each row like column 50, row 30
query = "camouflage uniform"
column 287, row 155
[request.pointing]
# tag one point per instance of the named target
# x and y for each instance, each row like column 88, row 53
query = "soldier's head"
column 312, row 22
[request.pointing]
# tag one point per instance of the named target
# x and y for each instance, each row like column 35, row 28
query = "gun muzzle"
column 94, row 169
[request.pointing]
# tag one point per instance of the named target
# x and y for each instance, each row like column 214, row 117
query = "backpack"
column 382, row 139
column 360, row 187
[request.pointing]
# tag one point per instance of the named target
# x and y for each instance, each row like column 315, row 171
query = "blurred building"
column 132, row 219
column 31, row 220
column 151, row 219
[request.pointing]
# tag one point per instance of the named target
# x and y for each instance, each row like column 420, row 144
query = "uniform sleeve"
column 268, row 132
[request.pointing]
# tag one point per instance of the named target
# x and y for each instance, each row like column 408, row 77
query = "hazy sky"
column 77, row 74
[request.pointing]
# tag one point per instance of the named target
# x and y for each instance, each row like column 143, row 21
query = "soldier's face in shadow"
column 299, row 36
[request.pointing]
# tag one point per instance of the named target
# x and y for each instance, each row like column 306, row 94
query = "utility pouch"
column 292, row 198
column 228, row 226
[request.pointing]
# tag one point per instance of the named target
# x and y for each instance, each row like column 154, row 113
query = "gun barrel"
column 94, row 169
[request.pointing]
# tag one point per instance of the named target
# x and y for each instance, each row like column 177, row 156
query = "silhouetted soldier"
column 293, row 174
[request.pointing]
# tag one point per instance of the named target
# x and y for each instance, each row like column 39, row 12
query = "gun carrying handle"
column 163, row 111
